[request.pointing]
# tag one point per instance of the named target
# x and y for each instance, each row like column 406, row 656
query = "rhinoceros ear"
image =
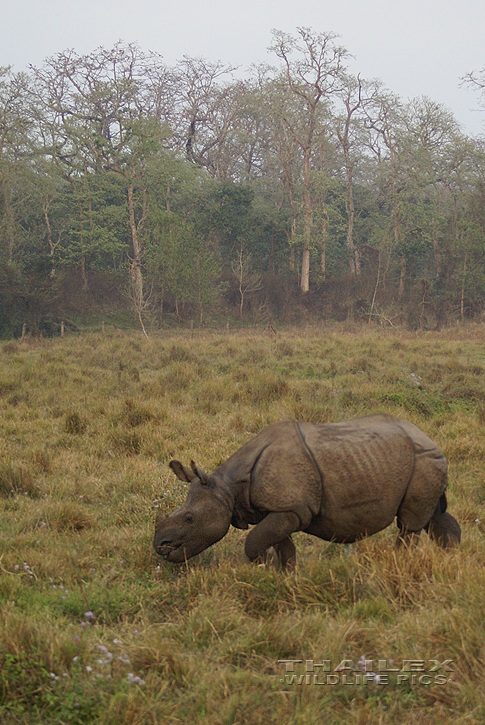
column 182, row 472
column 204, row 478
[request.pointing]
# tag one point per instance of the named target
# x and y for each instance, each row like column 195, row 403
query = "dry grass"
column 88, row 425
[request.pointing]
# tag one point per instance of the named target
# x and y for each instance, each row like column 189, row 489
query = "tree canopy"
column 190, row 192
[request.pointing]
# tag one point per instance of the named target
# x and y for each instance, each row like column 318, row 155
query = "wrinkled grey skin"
column 338, row 481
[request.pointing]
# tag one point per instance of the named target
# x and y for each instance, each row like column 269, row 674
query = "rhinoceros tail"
column 442, row 527
column 442, row 503
column 440, row 509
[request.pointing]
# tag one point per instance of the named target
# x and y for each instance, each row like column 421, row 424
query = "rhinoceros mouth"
column 176, row 553
column 164, row 549
column 172, row 552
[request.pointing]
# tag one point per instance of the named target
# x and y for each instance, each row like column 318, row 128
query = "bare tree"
column 207, row 113
column 355, row 96
column 104, row 111
column 476, row 80
column 15, row 126
column 246, row 279
column 312, row 77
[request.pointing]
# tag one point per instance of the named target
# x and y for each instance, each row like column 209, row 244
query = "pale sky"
column 416, row 47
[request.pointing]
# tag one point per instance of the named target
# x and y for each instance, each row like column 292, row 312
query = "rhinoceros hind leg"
column 406, row 537
column 274, row 530
column 286, row 553
column 444, row 529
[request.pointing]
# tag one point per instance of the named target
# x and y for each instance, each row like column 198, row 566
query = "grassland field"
column 94, row 628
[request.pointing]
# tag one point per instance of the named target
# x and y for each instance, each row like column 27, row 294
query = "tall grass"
column 95, row 629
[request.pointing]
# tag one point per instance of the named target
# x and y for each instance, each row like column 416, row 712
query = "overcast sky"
column 416, row 47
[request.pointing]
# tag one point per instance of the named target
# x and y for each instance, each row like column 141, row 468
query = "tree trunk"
column 402, row 276
column 437, row 257
column 354, row 266
column 305, row 269
column 307, row 225
column 138, row 296
column 462, row 301
column 135, row 267
column 323, row 254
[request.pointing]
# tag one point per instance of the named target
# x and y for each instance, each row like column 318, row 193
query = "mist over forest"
column 135, row 192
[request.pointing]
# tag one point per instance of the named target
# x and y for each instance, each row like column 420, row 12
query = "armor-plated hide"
column 338, row 481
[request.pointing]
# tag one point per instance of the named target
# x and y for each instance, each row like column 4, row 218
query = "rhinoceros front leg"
column 274, row 530
column 286, row 553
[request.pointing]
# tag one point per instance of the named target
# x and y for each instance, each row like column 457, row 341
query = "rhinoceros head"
column 202, row 520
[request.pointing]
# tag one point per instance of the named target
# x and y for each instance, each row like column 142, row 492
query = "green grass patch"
column 94, row 628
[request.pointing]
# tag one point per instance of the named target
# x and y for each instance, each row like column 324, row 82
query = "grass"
column 94, row 628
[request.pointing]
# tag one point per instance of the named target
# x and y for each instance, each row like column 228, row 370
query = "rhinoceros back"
column 346, row 480
column 366, row 467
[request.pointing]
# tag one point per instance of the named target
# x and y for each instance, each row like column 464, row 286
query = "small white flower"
column 364, row 664
column 135, row 679
column 89, row 668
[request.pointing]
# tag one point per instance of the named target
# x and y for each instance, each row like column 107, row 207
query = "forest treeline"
column 189, row 192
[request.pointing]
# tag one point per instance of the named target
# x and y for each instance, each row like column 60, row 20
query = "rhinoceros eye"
column 188, row 518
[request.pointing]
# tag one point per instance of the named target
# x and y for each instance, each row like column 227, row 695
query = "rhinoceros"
column 338, row 481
